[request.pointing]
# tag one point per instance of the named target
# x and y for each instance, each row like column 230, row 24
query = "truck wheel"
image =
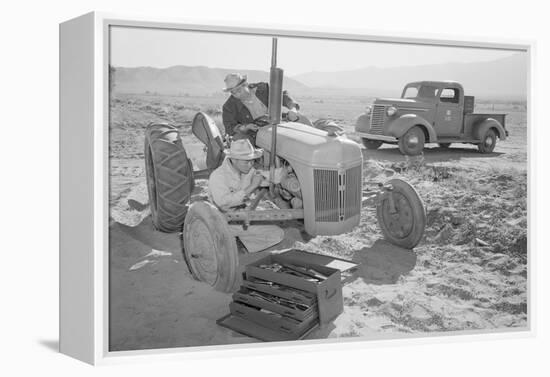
column 169, row 175
column 402, row 222
column 445, row 145
column 488, row 141
column 209, row 248
column 372, row 144
column 412, row 143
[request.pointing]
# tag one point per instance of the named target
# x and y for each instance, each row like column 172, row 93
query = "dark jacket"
column 234, row 112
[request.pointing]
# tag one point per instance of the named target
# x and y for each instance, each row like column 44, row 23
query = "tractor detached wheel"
column 169, row 176
column 209, row 248
column 372, row 144
column 412, row 142
column 401, row 215
column 488, row 141
column 445, row 145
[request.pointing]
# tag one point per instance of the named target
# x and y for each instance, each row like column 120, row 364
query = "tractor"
column 325, row 171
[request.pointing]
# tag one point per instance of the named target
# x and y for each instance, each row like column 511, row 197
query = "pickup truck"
column 429, row 112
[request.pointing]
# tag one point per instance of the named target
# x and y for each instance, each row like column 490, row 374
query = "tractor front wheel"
column 401, row 214
column 209, row 247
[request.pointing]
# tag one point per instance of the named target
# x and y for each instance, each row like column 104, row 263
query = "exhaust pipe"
column 275, row 87
column 274, row 107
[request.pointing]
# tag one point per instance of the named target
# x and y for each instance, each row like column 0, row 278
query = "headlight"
column 368, row 110
column 391, row 111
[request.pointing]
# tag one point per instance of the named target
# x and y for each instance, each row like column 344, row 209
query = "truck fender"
column 405, row 122
column 484, row 125
column 362, row 124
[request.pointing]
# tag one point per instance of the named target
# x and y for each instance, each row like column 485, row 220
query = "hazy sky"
column 134, row 47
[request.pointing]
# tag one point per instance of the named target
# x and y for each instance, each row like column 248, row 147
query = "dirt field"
column 468, row 273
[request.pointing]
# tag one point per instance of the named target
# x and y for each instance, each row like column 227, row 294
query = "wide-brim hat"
column 243, row 150
column 233, row 80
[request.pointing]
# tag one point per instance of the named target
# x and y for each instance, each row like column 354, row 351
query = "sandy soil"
column 468, row 273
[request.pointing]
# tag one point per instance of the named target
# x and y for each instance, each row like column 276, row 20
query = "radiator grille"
column 353, row 192
column 378, row 116
column 337, row 194
column 326, row 195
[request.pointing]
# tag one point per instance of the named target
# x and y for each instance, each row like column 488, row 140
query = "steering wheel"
column 261, row 121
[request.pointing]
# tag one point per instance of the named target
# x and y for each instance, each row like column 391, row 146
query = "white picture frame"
column 84, row 169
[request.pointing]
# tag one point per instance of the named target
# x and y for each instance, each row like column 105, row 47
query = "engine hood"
column 404, row 103
column 311, row 146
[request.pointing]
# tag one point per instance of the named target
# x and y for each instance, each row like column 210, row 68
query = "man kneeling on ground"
column 232, row 184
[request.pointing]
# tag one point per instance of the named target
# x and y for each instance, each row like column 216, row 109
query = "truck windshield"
column 420, row 91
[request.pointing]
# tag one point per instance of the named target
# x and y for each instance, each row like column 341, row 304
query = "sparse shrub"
column 434, row 173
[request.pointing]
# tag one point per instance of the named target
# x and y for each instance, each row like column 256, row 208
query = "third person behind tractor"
column 247, row 107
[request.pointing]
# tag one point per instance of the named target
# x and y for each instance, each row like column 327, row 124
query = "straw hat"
column 243, row 150
column 233, row 80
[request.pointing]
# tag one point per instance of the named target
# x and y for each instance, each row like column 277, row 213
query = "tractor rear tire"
column 209, row 247
column 405, row 226
column 488, row 141
column 372, row 144
column 412, row 142
column 169, row 176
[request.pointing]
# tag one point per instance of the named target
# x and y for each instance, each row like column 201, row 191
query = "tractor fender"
column 405, row 122
column 205, row 129
column 481, row 128
column 362, row 124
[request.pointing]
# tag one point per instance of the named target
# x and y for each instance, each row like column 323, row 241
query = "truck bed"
column 472, row 119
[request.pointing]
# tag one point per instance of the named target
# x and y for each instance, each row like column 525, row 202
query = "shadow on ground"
column 160, row 305
column 383, row 263
column 435, row 154
column 147, row 235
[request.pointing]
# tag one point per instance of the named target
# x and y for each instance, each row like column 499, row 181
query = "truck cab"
column 429, row 112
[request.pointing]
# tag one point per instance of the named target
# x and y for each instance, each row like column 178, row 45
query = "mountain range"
column 182, row 80
column 505, row 77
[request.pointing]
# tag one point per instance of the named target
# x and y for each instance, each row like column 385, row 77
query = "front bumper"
column 389, row 139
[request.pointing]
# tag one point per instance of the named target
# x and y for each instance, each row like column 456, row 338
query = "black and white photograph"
column 267, row 188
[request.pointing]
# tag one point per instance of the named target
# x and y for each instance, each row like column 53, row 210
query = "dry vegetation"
column 468, row 273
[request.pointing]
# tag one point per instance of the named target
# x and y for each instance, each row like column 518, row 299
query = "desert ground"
column 469, row 273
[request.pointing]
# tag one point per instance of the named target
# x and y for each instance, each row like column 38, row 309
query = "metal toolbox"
column 283, row 307
column 328, row 292
column 272, row 320
column 254, row 330
column 283, row 291
column 258, row 311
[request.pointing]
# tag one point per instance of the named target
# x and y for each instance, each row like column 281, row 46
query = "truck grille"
column 377, row 118
column 337, row 194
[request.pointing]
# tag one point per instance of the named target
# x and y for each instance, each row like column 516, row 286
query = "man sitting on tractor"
column 247, row 107
column 230, row 187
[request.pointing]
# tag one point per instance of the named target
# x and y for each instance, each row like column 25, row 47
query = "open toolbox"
column 286, row 296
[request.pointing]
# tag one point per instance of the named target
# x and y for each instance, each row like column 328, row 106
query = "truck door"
column 448, row 117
